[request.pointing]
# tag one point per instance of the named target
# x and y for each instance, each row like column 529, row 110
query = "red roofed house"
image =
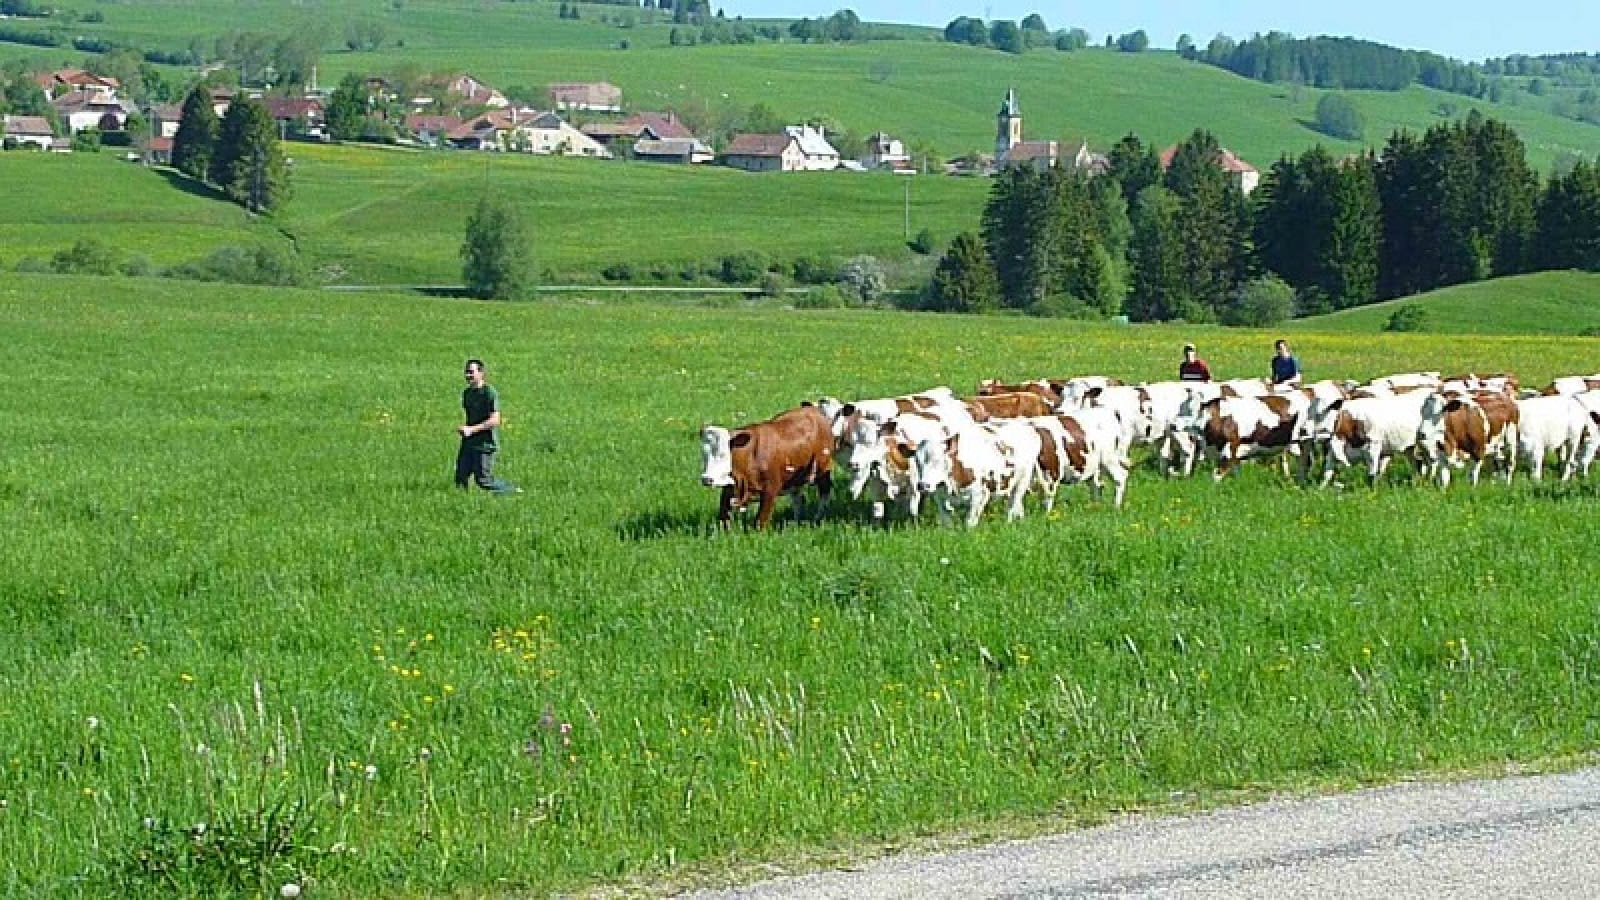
column 646, row 126
column 1244, row 176
column 432, row 129
column 297, row 115
column 63, row 80
column 595, row 96
column 765, row 153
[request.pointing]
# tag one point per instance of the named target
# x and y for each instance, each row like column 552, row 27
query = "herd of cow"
column 1013, row 439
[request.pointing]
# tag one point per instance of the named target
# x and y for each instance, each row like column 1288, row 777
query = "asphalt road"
column 1504, row 838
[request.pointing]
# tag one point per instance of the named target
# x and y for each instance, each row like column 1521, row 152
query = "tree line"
column 1337, row 62
column 239, row 154
column 1458, row 203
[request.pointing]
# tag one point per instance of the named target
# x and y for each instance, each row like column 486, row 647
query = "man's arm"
column 492, row 422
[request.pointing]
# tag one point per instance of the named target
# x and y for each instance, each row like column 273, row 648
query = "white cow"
column 1373, row 429
column 976, row 463
column 1561, row 424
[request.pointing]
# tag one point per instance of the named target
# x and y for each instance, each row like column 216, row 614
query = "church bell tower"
column 1008, row 134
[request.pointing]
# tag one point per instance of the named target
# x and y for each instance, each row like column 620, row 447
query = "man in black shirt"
column 475, row 459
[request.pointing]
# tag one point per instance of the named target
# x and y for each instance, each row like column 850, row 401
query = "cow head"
column 716, row 452
column 864, row 445
column 931, row 463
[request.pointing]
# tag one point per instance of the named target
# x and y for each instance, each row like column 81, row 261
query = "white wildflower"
column 372, row 772
column 289, row 891
column 93, row 722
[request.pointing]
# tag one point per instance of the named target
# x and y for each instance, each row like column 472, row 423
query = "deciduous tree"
column 497, row 256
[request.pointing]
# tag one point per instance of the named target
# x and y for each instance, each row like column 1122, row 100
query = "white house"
column 525, row 131
column 90, row 109
column 28, row 131
column 885, row 152
column 820, row 156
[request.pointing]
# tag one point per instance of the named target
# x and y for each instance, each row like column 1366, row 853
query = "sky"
column 1467, row 29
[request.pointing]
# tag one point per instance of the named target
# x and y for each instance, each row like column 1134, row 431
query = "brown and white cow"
column 1572, row 384
column 1471, row 383
column 1458, row 427
column 884, row 408
column 976, row 463
column 1042, row 386
column 1079, row 447
column 1372, row 429
column 784, row 454
column 1018, row 405
column 877, row 455
column 1236, row 428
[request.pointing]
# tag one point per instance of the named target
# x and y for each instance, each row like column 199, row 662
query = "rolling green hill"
column 372, row 215
column 1555, row 303
column 919, row 89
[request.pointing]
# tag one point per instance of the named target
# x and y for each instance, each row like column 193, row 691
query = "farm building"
column 91, row 109
column 1244, row 176
column 595, row 96
column 765, row 153
column 28, row 131
column 684, row 151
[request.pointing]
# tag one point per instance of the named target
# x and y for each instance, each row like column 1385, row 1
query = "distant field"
column 237, row 585
column 1554, row 303
column 915, row 88
column 397, row 217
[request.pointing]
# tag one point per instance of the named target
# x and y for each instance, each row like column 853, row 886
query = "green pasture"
column 241, row 594
column 1547, row 303
column 365, row 215
column 917, row 88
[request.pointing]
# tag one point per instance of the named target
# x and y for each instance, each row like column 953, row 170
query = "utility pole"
column 908, row 206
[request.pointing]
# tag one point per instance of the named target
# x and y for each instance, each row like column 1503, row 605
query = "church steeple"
column 1008, row 132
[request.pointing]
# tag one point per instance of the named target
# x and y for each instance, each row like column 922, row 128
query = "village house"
column 596, row 96
column 525, row 131
column 432, row 130
column 90, row 109
column 885, row 152
column 820, row 156
column 297, row 116
column 1090, row 163
column 1009, row 147
column 28, row 131
column 158, row 150
column 475, row 93
column 1244, row 176
column 165, row 119
column 63, row 81
column 765, row 153
column 644, row 126
column 684, row 151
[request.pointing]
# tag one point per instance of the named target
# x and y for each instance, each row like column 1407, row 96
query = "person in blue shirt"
column 1285, row 368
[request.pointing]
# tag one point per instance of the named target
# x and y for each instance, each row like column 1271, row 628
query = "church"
column 1009, row 147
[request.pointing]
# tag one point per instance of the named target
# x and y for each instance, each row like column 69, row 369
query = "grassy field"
column 917, row 89
column 241, row 595
column 396, row 217
column 1553, row 303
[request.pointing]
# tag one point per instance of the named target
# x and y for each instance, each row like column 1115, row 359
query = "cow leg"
column 824, row 487
column 1119, row 477
column 725, row 507
column 769, row 500
column 977, row 499
column 943, row 502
